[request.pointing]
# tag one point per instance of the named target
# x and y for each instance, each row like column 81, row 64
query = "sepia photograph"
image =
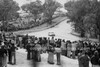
column 49, row 33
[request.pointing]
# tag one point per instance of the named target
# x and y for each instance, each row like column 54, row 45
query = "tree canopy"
column 8, row 11
column 34, row 8
column 50, row 7
column 85, row 15
column 47, row 9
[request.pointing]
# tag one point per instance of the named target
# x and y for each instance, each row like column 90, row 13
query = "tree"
column 49, row 8
column 33, row 8
column 8, row 12
column 85, row 14
column 96, row 11
column 76, row 12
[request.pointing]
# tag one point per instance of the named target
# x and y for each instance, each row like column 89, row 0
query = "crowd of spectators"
column 84, row 51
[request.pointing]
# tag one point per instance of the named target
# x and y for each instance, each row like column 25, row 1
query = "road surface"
column 21, row 56
column 23, row 62
column 62, row 30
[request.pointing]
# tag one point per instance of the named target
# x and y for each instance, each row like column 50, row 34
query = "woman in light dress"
column 63, row 47
column 58, row 54
column 69, row 49
column 38, row 51
column 51, row 55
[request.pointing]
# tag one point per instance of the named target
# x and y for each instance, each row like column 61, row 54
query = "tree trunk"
column 4, row 26
column 82, row 34
column 99, row 36
column 95, row 34
column 50, row 20
column 35, row 20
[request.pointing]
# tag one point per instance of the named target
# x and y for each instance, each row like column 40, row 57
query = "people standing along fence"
column 36, row 45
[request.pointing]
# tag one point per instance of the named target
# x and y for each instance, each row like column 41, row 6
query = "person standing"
column 50, row 54
column 28, row 46
column 20, row 42
column 73, row 49
column 48, row 41
column 84, row 60
column 9, row 52
column 95, row 59
column 69, row 49
column 79, row 62
column 4, row 47
column 38, row 49
column 13, row 53
column 52, row 42
column 25, row 40
column 58, row 55
column 3, row 54
column 32, row 49
column 45, row 44
column 63, row 47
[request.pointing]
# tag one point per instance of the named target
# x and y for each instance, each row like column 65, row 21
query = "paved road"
column 23, row 62
column 62, row 30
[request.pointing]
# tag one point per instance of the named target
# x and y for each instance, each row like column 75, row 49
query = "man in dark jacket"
column 3, row 54
column 28, row 51
column 9, row 52
column 95, row 59
column 84, row 59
